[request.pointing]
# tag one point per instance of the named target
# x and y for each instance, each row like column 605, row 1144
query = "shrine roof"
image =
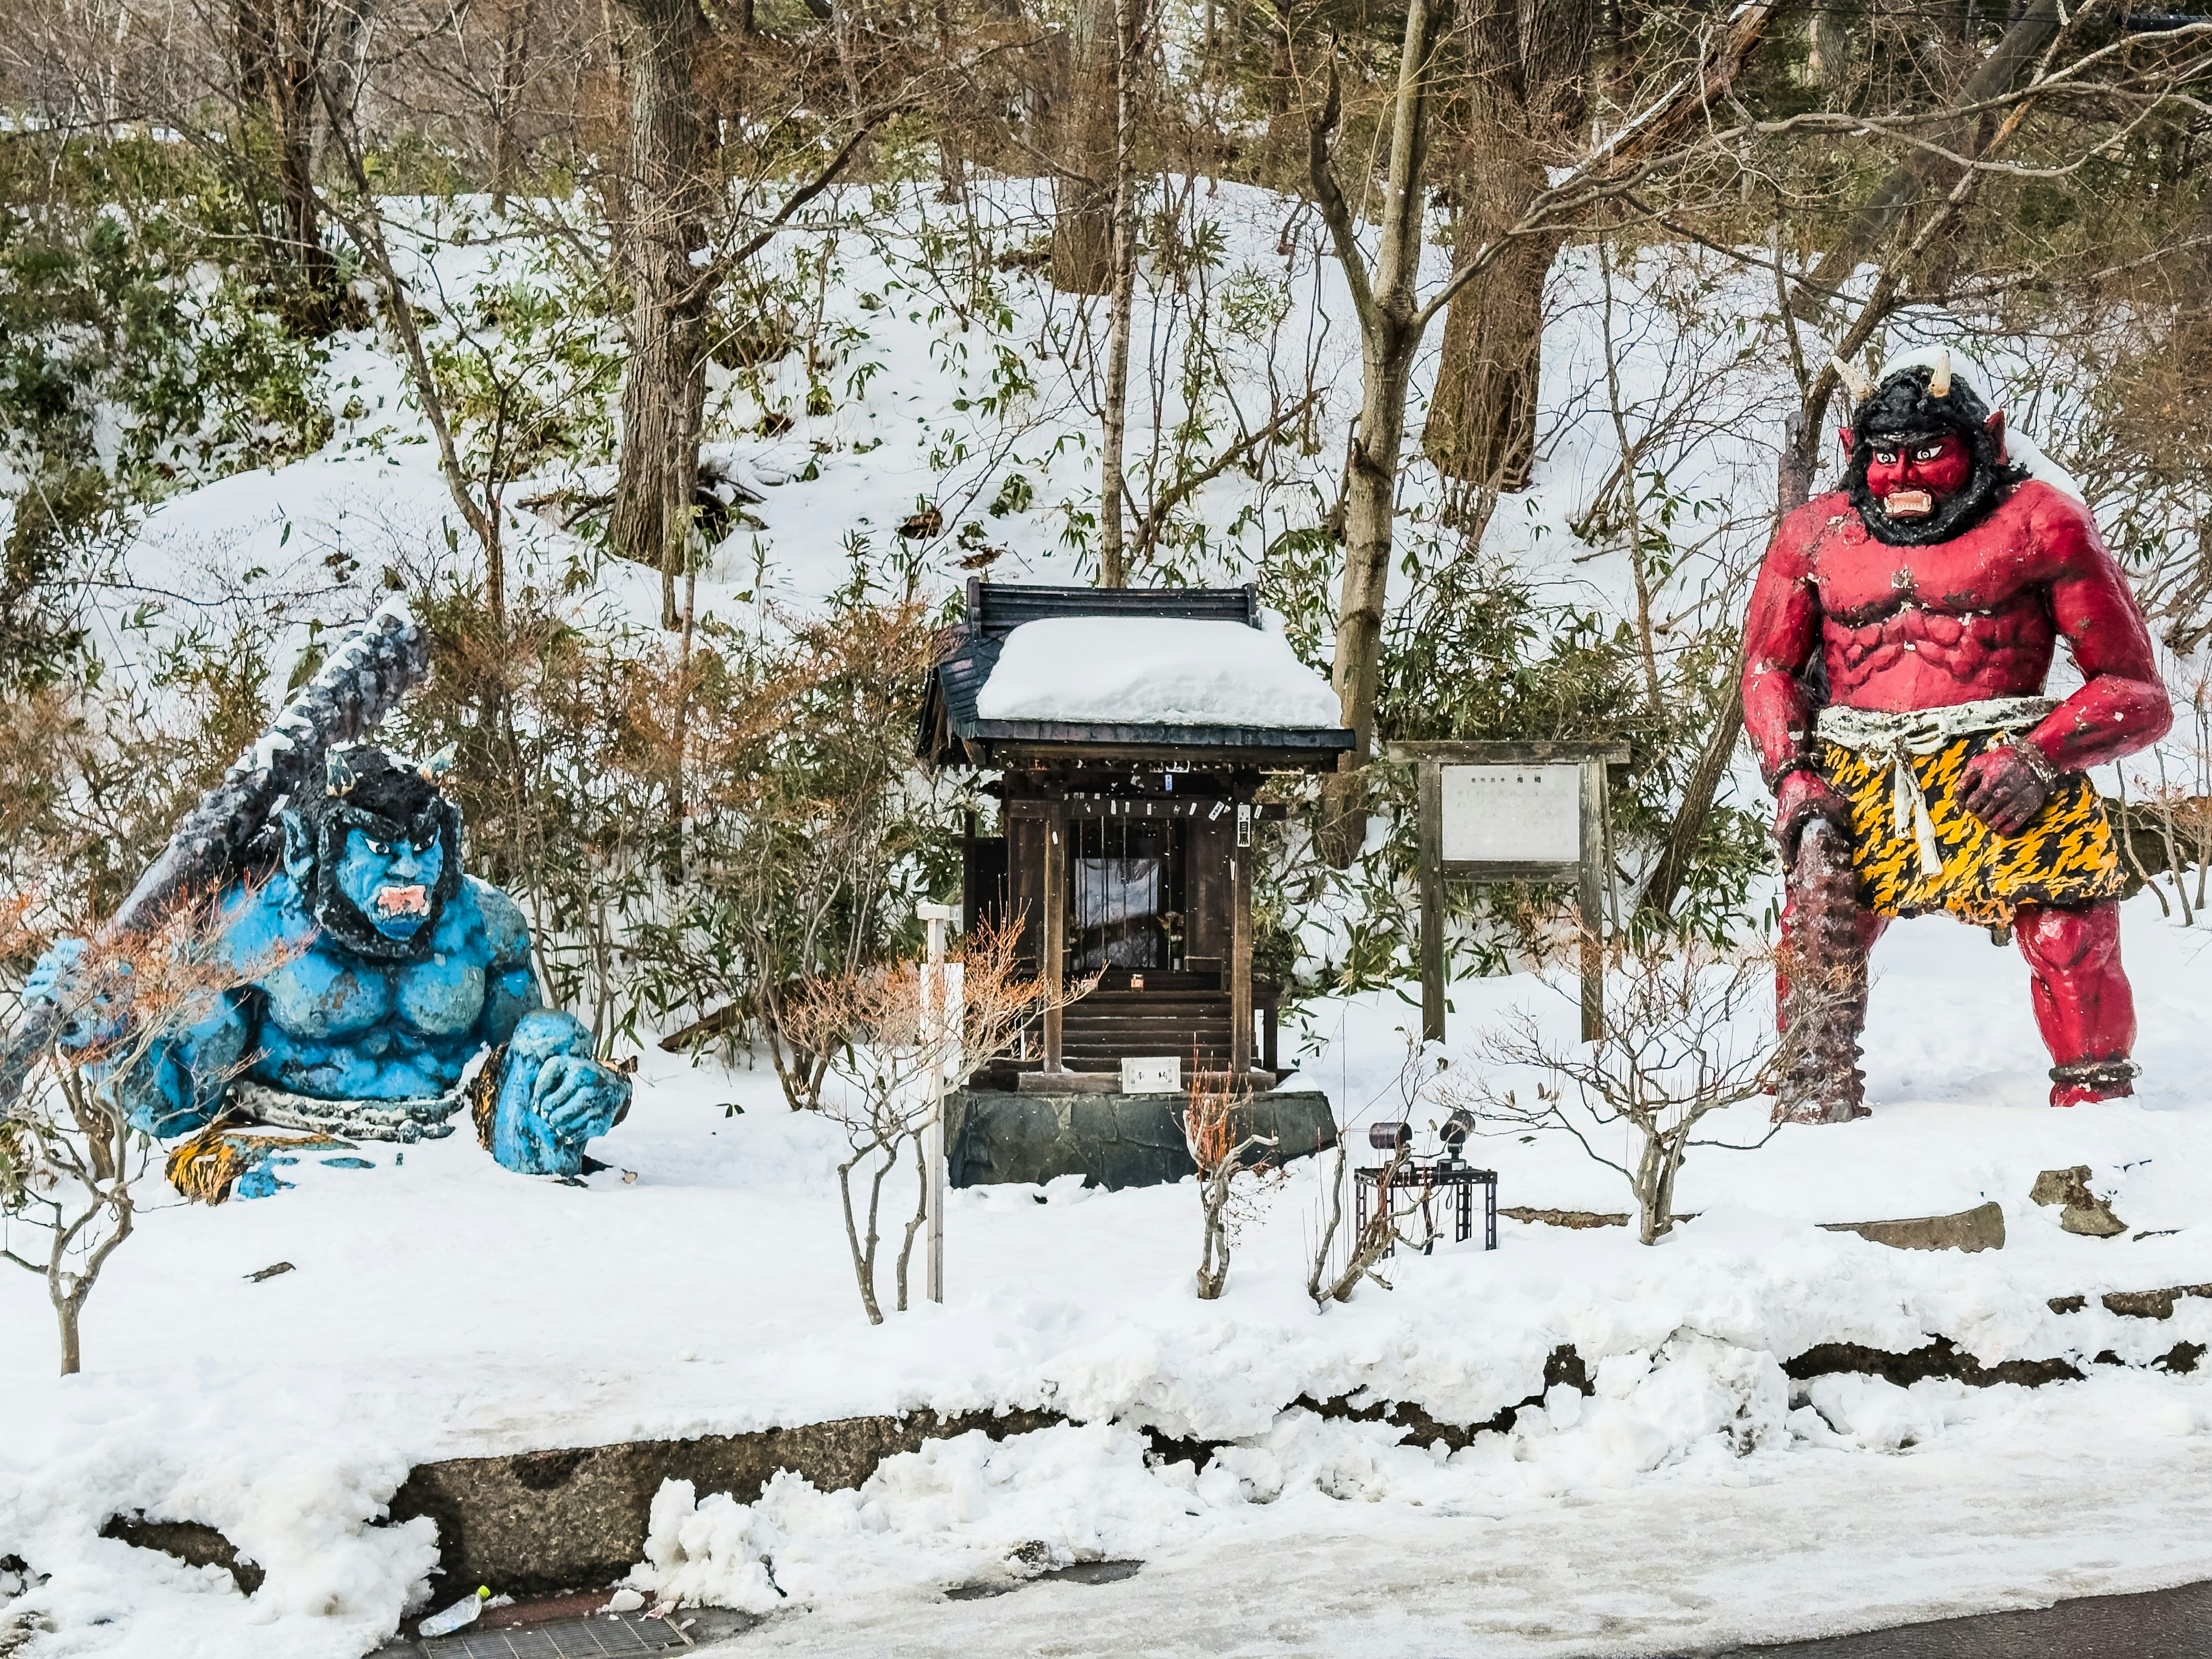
column 1125, row 671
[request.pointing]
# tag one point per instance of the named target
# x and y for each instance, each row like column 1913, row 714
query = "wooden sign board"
column 1510, row 814
column 1511, row 811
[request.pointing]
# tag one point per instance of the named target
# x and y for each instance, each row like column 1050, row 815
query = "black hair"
column 385, row 788
column 1899, row 412
column 388, row 800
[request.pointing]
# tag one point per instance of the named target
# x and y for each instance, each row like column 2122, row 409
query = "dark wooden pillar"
column 1429, row 785
column 1590, row 899
column 1240, row 949
column 970, row 899
column 1055, row 927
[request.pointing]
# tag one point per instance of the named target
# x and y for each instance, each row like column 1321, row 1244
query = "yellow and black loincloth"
column 1916, row 849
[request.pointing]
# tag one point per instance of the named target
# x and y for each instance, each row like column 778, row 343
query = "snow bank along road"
column 1834, row 1543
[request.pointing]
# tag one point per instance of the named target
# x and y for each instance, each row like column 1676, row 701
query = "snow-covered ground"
column 444, row 1307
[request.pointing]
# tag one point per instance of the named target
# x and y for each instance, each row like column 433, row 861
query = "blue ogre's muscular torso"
column 336, row 1026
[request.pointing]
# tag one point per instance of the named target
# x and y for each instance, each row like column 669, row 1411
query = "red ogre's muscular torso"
column 1973, row 617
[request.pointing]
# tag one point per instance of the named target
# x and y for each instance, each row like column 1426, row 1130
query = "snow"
column 2007, row 1512
column 442, row 1307
column 1154, row 671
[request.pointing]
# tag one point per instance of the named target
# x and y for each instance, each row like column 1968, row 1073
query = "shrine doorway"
column 1125, row 898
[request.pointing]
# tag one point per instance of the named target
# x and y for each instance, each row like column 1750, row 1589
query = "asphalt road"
column 2171, row 1624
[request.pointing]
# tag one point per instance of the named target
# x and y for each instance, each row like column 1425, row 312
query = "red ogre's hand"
column 2002, row 789
column 1800, row 797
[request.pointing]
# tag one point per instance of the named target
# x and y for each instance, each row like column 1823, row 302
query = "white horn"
column 1855, row 380
column 1939, row 378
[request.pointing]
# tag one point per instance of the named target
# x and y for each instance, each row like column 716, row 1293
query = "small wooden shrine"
column 1128, row 746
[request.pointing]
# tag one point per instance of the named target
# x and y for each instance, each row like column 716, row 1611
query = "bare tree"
column 71, row 1158
column 361, row 213
column 1393, row 319
column 1687, row 1033
column 1230, row 1178
column 1328, row 1281
column 880, row 1037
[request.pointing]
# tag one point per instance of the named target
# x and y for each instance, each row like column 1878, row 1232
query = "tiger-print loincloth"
column 482, row 1090
column 2066, row 856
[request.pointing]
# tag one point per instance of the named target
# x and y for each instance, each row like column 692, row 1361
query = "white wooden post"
column 934, row 1036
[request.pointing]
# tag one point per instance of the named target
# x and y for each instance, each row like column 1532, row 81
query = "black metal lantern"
column 1445, row 1179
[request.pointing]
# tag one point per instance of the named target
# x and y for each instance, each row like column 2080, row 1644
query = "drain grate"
column 581, row 1639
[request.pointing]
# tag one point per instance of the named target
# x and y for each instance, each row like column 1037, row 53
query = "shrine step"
column 1098, row 1079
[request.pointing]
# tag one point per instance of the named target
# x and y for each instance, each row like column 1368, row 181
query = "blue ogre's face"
column 391, row 882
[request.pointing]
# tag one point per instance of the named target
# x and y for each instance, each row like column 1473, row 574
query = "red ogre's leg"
column 2083, row 1004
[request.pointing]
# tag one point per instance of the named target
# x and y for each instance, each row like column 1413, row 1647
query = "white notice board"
column 1511, row 814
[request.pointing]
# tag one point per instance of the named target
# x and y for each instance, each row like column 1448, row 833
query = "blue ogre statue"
column 380, row 974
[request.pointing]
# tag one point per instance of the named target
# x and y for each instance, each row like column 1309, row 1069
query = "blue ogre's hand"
column 554, row 1096
column 577, row 1098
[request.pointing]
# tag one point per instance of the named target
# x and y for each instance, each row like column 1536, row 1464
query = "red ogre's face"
column 1909, row 478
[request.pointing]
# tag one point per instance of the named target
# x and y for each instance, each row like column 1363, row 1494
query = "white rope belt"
column 1881, row 736
column 403, row 1121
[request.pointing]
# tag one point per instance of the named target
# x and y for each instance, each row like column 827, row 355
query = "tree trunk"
column 1213, row 1252
column 1370, row 508
column 951, row 134
column 1658, row 1218
column 276, row 45
column 1284, row 134
column 1527, row 65
column 1113, row 560
column 513, row 45
column 1388, row 338
column 1083, row 220
column 864, row 1255
column 1482, row 419
column 665, row 387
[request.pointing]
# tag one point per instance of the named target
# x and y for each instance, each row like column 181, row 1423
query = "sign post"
column 936, row 1038
column 1511, row 811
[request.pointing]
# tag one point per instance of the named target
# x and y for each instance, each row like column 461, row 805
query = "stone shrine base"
column 1115, row 1140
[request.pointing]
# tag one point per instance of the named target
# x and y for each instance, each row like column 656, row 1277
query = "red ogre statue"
column 1928, row 594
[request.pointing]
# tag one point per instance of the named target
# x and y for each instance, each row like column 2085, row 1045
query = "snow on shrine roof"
column 1153, row 670
column 1092, row 668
